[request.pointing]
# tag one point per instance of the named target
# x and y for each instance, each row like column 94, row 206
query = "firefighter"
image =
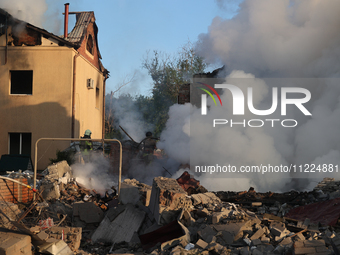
column 149, row 145
column 86, row 146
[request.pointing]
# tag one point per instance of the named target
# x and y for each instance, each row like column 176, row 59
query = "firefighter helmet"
column 88, row 132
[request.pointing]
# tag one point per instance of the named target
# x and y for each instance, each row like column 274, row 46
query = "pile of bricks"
column 14, row 192
column 311, row 247
column 169, row 217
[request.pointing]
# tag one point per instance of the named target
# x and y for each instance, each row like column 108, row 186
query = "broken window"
column 21, row 82
column 89, row 44
column 2, row 29
column 20, row 143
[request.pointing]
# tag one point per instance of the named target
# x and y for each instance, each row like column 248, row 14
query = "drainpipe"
column 6, row 47
column 103, row 125
column 66, row 21
column 74, row 94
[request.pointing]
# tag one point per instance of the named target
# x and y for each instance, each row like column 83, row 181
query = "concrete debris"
column 167, row 200
column 55, row 247
column 170, row 217
column 335, row 242
column 132, row 192
column 201, row 244
column 53, row 176
column 8, row 212
column 70, row 235
column 205, row 199
column 50, row 189
column 207, row 234
column 88, row 212
column 127, row 192
column 311, row 247
column 119, row 224
column 14, row 243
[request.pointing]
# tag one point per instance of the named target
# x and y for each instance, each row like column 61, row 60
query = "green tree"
column 168, row 75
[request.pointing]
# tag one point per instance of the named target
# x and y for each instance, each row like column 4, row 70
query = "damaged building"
column 51, row 86
column 187, row 94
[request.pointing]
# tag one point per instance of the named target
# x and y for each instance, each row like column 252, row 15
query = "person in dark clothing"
column 149, row 145
column 86, row 146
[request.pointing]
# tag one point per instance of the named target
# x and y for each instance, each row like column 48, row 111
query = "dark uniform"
column 149, row 145
column 86, row 146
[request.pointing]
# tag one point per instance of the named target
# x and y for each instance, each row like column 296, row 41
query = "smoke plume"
column 26, row 10
column 267, row 39
column 130, row 117
column 95, row 174
column 277, row 38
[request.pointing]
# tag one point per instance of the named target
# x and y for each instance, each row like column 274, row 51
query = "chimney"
column 66, row 21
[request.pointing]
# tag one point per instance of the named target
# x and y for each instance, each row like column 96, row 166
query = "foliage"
column 168, row 75
column 63, row 155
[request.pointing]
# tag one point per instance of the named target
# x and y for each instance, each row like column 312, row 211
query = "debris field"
column 173, row 216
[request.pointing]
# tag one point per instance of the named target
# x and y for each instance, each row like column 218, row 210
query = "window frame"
column 20, row 143
column 11, row 72
column 91, row 49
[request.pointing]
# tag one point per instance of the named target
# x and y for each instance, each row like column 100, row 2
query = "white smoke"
column 175, row 139
column 26, row 10
column 283, row 38
column 268, row 39
column 130, row 118
column 95, row 174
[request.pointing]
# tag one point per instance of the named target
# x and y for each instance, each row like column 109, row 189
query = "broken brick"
column 167, row 200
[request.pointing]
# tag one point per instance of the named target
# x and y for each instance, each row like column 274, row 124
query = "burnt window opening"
column 21, row 82
column 20, row 143
column 89, row 44
column 97, row 97
column 2, row 28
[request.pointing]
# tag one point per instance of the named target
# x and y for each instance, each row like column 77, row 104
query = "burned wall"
column 46, row 112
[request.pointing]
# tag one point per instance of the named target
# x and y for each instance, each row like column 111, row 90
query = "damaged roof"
column 6, row 17
column 75, row 37
column 79, row 31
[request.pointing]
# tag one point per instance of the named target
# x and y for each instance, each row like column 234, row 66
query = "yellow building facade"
column 50, row 86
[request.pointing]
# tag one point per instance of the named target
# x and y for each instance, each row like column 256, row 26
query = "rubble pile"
column 133, row 191
column 189, row 184
column 8, row 212
column 170, row 217
column 328, row 188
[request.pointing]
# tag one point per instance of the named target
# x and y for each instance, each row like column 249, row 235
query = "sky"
column 129, row 29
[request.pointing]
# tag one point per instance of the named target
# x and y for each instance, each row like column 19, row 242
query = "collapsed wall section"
column 14, row 192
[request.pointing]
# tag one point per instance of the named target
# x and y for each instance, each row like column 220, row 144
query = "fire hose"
column 23, row 184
